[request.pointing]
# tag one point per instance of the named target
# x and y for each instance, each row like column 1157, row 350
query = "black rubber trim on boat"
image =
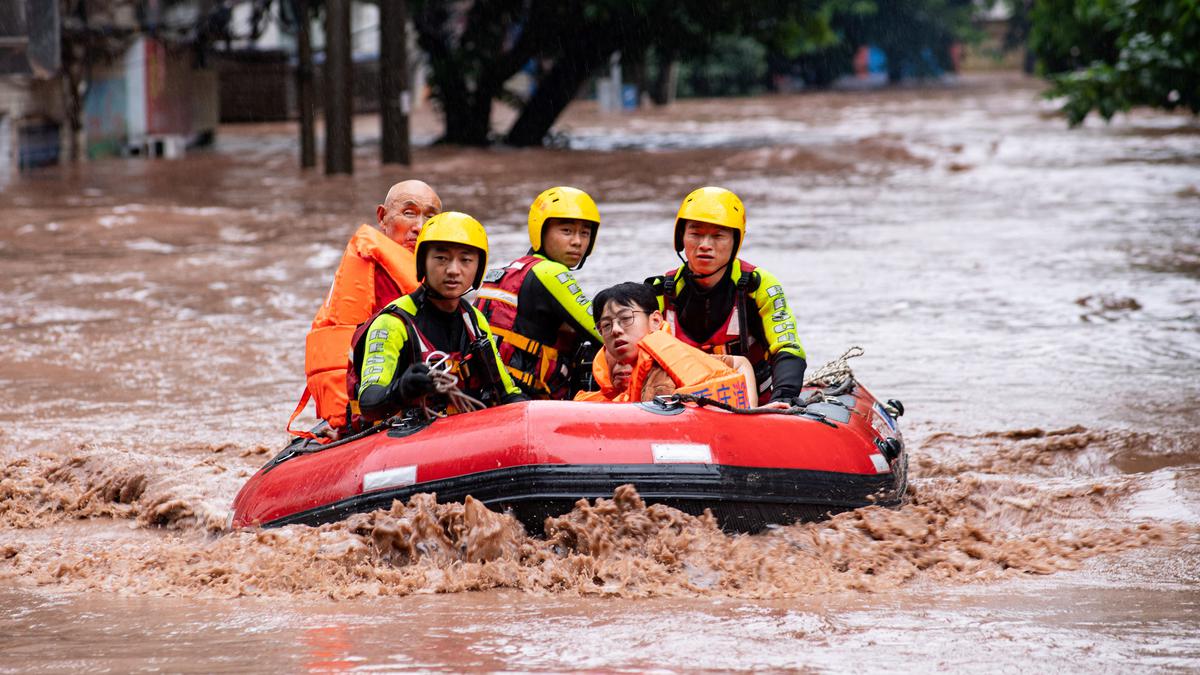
column 743, row 499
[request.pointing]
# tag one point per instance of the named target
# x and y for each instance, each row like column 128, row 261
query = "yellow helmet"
column 714, row 205
column 562, row 202
column 452, row 227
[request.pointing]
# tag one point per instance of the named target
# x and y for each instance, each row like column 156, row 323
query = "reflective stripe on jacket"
column 379, row 344
column 540, row 315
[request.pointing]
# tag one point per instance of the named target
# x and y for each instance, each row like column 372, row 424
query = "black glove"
column 787, row 376
column 416, row 382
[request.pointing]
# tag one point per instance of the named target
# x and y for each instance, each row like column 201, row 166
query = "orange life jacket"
column 692, row 371
column 735, row 335
column 351, row 301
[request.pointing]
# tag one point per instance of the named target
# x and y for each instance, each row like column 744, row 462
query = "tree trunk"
column 305, row 100
column 666, row 80
column 554, row 93
column 469, row 66
column 73, row 52
column 467, row 124
column 339, row 133
column 394, row 97
column 895, row 60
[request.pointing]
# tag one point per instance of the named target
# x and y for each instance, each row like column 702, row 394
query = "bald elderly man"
column 377, row 267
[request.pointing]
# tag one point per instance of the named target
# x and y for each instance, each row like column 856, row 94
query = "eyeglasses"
column 624, row 320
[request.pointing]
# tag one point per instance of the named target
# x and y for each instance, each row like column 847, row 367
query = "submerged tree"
column 476, row 46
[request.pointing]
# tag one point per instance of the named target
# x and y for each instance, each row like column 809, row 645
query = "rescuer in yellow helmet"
column 723, row 304
column 534, row 304
column 432, row 326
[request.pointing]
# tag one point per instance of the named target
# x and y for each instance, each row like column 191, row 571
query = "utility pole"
column 304, row 87
column 395, row 98
column 339, row 134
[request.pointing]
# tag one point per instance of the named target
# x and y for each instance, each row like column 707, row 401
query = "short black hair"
column 626, row 294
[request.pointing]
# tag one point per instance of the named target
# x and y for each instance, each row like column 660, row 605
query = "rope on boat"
column 446, row 384
column 835, row 378
column 797, row 407
column 836, row 372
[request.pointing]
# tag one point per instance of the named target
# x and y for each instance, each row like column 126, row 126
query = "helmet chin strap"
column 431, row 293
column 692, row 274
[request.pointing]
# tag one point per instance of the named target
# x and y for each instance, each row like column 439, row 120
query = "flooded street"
column 1031, row 293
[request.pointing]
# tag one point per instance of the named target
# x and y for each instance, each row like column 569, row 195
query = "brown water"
column 1031, row 293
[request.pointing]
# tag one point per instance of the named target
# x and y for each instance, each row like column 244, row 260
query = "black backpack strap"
column 752, row 282
column 663, row 285
column 746, row 285
column 481, row 350
column 466, row 307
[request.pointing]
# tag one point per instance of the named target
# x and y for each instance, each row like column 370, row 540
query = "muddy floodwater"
column 1031, row 293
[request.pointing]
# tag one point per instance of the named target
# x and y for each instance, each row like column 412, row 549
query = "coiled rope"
column 445, row 383
column 836, row 371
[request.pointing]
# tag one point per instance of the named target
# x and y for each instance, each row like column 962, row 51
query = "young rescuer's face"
column 565, row 240
column 450, row 269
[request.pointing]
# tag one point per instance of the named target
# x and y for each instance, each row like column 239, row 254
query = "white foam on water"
column 323, row 257
column 1162, row 499
column 237, row 235
column 108, row 222
column 149, row 245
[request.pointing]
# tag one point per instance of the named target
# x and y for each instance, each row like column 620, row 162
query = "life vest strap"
column 497, row 294
column 296, row 413
column 525, row 344
column 544, row 354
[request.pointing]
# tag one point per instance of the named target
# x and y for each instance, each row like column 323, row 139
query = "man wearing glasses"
column 641, row 359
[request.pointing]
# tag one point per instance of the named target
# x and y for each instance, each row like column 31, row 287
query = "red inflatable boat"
column 538, row 458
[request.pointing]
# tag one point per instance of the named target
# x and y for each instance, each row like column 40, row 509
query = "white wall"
column 135, row 88
column 364, row 29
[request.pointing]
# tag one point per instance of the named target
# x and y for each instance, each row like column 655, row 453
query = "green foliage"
column 1068, row 34
column 1133, row 52
column 736, row 66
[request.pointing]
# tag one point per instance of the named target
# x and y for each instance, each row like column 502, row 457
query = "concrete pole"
column 395, row 99
column 339, row 135
column 304, row 88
